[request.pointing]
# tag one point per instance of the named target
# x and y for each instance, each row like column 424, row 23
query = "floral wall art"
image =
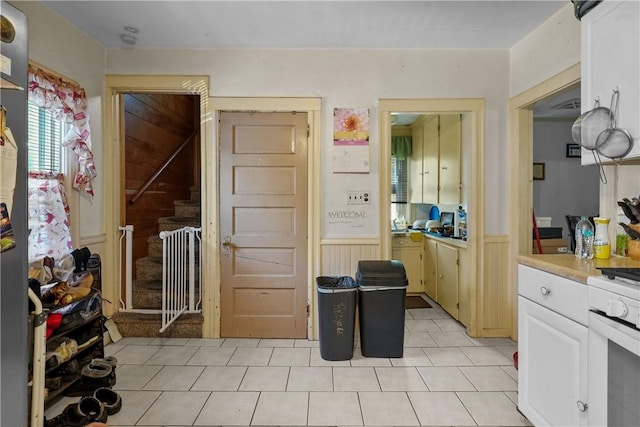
column 351, row 140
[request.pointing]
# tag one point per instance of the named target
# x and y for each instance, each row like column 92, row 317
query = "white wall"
column 354, row 78
column 549, row 49
column 568, row 188
column 63, row 48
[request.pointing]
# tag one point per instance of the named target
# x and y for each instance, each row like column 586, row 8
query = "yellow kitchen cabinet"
column 434, row 168
column 449, row 160
column 430, row 277
column 448, row 278
column 410, row 253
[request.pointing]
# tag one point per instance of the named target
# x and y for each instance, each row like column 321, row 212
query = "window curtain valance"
column 401, row 147
column 68, row 103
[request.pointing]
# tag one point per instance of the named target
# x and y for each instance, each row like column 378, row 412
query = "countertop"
column 459, row 243
column 567, row 265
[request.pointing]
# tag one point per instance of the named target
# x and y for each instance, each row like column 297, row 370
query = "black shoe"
column 92, row 408
column 96, row 374
column 70, row 417
column 110, row 399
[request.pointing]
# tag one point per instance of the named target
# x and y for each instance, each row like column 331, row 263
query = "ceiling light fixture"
column 128, row 39
column 130, row 29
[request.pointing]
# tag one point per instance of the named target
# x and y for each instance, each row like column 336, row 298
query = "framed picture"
column 538, row 171
column 573, row 150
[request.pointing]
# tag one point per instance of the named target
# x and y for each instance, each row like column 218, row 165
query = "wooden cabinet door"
column 449, row 176
column 430, row 143
column 430, row 278
column 552, row 366
column 447, row 291
column 415, row 165
column 410, row 253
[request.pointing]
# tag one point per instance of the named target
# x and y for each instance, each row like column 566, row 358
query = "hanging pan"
column 614, row 142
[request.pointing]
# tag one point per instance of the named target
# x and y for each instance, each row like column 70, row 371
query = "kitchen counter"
column 567, row 265
column 459, row 243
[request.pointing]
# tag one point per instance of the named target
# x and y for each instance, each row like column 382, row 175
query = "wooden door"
column 448, row 278
column 450, row 134
column 263, row 224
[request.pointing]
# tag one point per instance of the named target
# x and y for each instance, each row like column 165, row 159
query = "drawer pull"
column 545, row 291
column 582, row 407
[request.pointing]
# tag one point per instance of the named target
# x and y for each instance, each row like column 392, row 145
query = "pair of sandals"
column 90, row 409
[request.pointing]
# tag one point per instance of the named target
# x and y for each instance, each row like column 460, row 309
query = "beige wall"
column 351, row 78
column 549, row 49
column 61, row 47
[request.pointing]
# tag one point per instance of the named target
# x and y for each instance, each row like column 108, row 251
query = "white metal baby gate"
column 181, row 274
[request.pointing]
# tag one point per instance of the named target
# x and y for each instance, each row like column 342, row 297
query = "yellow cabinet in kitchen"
column 448, row 279
column 434, row 175
column 430, row 277
column 445, row 278
column 410, row 253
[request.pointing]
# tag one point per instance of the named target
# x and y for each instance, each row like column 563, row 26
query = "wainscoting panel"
column 340, row 256
column 495, row 296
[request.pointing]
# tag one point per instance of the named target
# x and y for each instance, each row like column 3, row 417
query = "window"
column 45, row 140
column 398, row 187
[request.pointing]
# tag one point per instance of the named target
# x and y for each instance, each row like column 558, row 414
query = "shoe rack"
column 78, row 337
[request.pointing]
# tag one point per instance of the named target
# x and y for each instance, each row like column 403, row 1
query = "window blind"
column 45, row 137
column 398, row 180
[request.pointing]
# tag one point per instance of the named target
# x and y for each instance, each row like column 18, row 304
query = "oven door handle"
column 623, row 335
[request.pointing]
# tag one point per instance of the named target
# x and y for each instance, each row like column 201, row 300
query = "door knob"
column 226, row 242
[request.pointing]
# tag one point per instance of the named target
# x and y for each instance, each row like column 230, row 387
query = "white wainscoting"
column 494, row 296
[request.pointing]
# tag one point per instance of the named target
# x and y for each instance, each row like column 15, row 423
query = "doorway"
column 521, row 173
column 472, row 122
column 263, row 224
column 558, row 157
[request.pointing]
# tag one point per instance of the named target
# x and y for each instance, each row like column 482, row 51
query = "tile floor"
column 444, row 378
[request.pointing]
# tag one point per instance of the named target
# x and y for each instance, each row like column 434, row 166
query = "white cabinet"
column 448, row 279
column 552, row 348
column 610, row 60
column 434, row 175
column 410, row 253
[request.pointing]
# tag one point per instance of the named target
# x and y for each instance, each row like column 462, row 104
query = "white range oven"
column 614, row 348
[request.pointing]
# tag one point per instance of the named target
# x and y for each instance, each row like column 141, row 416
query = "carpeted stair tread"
column 148, row 325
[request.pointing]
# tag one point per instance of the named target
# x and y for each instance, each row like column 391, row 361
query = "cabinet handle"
column 441, row 276
column 444, row 168
column 545, row 291
column 582, row 407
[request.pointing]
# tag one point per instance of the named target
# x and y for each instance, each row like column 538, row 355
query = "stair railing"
column 179, row 268
column 161, row 169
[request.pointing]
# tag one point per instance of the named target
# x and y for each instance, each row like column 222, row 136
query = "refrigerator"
column 14, row 351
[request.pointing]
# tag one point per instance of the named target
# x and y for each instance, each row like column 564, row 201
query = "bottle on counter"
column 622, row 241
column 584, row 238
column 601, row 244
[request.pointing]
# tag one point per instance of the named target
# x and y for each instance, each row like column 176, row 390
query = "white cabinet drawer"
column 564, row 296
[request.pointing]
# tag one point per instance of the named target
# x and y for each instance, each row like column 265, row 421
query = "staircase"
column 147, row 287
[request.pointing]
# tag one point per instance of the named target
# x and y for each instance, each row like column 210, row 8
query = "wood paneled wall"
column 155, row 126
column 495, row 297
column 340, row 258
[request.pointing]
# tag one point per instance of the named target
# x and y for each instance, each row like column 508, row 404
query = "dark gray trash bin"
column 336, row 316
column 382, row 290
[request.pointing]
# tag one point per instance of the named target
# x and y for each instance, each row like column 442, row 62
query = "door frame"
column 115, row 87
column 521, row 171
column 475, row 107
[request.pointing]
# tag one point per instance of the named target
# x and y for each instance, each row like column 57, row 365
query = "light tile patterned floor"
column 444, row 378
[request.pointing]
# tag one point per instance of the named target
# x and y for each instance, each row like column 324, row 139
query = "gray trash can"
column 382, row 290
column 336, row 316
